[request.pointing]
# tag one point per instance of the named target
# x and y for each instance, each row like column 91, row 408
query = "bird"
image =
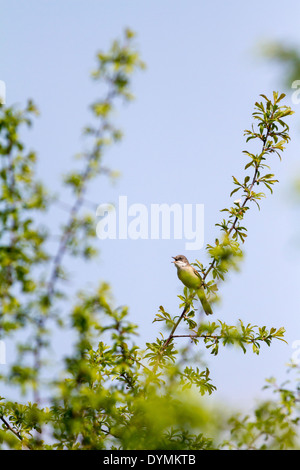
column 191, row 278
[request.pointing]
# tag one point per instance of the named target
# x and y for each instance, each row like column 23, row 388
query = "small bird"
column 190, row 277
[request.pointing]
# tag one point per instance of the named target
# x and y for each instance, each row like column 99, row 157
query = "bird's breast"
column 188, row 278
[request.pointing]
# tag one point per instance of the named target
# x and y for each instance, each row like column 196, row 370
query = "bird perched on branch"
column 191, row 278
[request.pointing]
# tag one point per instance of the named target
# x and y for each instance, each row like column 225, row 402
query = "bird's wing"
column 197, row 273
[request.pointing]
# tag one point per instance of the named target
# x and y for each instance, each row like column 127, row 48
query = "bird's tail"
column 202, row 297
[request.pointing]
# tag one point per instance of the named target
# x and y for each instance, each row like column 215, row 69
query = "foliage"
column 274, row 424
column 287, row 56
column 110, row 394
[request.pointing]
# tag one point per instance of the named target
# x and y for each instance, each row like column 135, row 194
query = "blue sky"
column 183, row 142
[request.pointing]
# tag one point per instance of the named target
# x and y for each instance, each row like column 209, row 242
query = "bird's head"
column 180, row 261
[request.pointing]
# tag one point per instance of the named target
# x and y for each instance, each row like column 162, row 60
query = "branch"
column 270, row 118
column 246, row 199
column 11, row 429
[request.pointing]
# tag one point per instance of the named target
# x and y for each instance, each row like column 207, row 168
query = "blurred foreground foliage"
column 108, row 393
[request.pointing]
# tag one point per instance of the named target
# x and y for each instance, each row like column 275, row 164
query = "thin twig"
column 247, row 198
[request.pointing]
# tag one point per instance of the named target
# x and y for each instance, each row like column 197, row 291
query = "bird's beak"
column 173, row 261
